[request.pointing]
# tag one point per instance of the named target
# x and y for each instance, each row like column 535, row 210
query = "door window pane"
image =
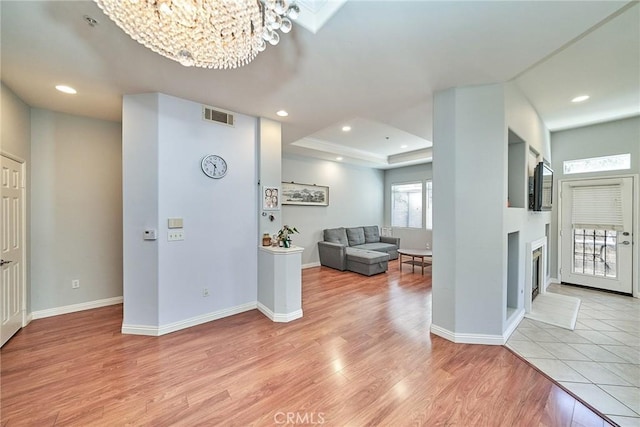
column 597, row 164
column 594, row 252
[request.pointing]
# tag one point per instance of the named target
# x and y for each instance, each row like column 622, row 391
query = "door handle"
column 3, row 262
column 626, row 242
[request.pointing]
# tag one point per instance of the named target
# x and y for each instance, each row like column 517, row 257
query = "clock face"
column 214, row 166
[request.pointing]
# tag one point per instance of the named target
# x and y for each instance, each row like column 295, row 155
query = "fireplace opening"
column 536, row 268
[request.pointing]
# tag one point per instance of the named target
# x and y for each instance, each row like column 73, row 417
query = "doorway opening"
column 596, row 230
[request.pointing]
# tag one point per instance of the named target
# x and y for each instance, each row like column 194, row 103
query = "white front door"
column 11, row 217
column 597, row 233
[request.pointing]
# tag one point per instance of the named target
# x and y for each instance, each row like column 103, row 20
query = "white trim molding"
column 12, row 157
column 279, row 317
column 311, row 265
column 41, row 314
column 156, row 331
column 513, row 325
column 469, row 338
column 26, row 318
column 528, row 271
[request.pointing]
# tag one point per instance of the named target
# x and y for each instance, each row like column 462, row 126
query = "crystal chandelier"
column 218, row 34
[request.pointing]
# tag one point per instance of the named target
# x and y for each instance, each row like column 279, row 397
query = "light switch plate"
column 173, row 236
column 175, row 223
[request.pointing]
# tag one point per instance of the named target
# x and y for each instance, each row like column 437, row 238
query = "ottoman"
column 366, row 262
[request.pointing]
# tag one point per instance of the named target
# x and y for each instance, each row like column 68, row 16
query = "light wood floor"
column 361, row 355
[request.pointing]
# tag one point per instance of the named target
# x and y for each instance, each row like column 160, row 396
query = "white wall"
column 616, row 137
column 269, row 221
column 76, row 206
column 15, row 140
column 16, row 127
column 355, row 198
column 270, row 170
column 140, row 195
column 409, row 237
column 471, row 217
column 604, row 139
column 468, row 210
column 221, row 231
column 523, row 119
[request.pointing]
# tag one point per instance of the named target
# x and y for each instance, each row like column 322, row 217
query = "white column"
column 280, row 283
column 469, row 195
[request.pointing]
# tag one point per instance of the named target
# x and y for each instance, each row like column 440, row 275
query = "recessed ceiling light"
column 346, row 128
column 66, row 89
column 282, row 113
column 338, row 158
column 580, row 98
column 404, row 146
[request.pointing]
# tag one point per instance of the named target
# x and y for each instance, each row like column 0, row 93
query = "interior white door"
column 597, row 234
column 11, row 217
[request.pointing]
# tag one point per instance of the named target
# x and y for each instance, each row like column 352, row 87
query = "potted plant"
column 284, row 235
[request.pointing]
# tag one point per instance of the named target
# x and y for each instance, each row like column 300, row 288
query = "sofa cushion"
column 387, row 248
column 355, row 236
column 380, row 247
column 336, row 235
column 371, row 234
column 366, row 257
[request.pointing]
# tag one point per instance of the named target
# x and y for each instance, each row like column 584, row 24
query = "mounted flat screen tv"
column 542, row 187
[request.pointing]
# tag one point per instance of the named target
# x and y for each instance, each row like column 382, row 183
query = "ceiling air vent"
column 211, row 115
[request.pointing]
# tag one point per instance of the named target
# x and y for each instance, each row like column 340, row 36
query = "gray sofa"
column 358, row 249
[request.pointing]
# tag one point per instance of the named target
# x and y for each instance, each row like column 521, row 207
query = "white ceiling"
column 374, row 65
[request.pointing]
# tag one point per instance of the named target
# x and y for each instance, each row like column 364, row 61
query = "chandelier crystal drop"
column 219, row 34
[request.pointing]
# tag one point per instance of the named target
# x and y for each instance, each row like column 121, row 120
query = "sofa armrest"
column 333, row 255
column 391, row 240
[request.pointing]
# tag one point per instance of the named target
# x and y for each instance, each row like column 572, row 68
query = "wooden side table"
column 415, row 254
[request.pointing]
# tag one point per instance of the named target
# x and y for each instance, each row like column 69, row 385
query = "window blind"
column 597, row 207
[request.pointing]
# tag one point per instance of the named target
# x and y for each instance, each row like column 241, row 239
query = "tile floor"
column 599, row 361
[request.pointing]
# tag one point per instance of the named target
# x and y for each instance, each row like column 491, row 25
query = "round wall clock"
column 214, row 166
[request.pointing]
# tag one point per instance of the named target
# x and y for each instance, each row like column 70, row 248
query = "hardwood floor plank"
column 559, row 409
column 361, row 355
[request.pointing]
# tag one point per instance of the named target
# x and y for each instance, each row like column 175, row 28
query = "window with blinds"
column 597, row 207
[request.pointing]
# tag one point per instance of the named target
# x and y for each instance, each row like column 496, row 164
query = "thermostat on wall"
column 150, row 235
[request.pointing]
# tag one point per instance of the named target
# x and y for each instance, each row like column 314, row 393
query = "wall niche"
column 517, row 173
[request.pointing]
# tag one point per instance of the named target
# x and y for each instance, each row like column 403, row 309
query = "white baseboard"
column 279, row 317
column 26, row 318
column 156, row 331
column 41, row 314
column 140, row 330
column 311, row 265
column 514, row 324
column 553, row 280
column 467, row 338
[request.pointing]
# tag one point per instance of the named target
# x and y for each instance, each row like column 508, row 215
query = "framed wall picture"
column 304, row 194
column 270, row 198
